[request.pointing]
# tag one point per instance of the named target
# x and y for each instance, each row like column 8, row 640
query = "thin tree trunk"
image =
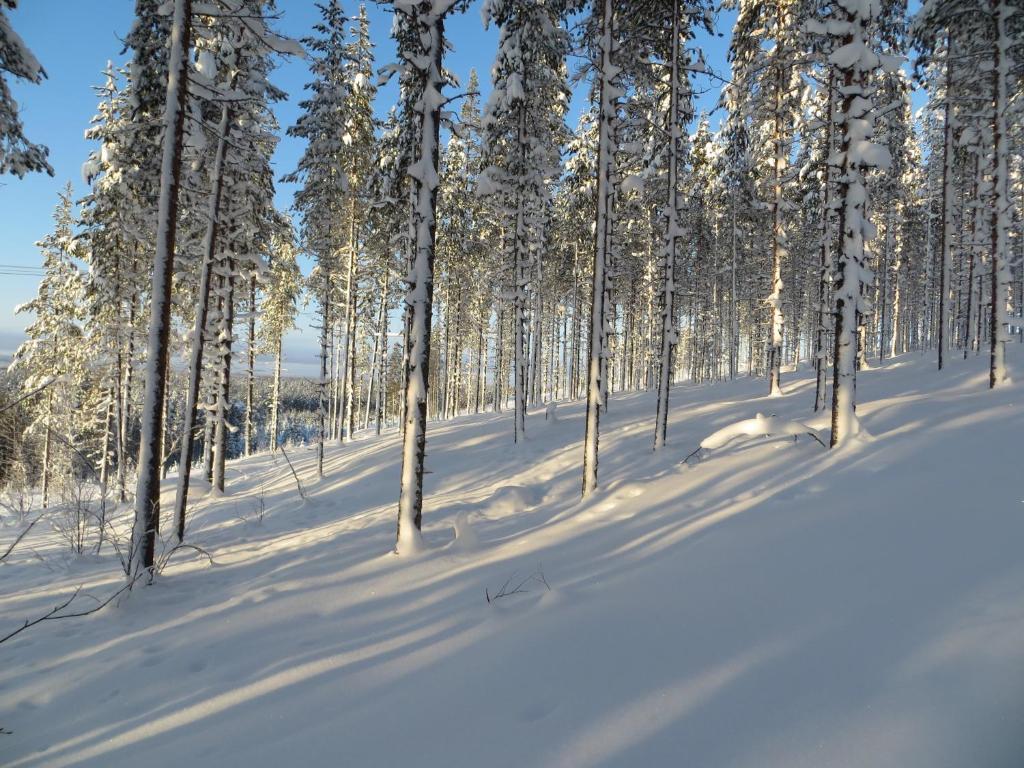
column 222, row 425
column 199, row 328
column 595, row 387
column 142, row 555
column 250, row 370
column 946, row 236
column 47, row 451
column 669, row 336
column 348, row 393
column 275, row 397
column 325, row 330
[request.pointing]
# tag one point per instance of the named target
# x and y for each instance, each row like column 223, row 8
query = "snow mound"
column 512, row 500
column 465, row 537
column 759, row 426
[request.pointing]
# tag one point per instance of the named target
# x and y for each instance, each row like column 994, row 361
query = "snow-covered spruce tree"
column 389, row 187
column 855, row 59
column 278, row 311
column 53, row 356
column 465, row 263
column 233, row 63
column 938, row 31
column 619, row 38
column 419, row 32
column 356, row 157
column 249, row 211
column 733, row 162
column 890, row 198
column 17, row 154
column 122, row 210
column 142, row 555
column 575, row 202
column 324, row 184
column 524, row 129
column 970, row 54
column 109, row 244
column 767, row 57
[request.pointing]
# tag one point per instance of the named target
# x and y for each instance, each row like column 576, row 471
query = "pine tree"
column 324, row 183
column 17, row 154
column 765, row 55
column 523, row 127
column 278, row 311
column 53, row 354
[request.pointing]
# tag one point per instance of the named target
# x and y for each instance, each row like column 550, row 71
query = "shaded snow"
column 779, row 606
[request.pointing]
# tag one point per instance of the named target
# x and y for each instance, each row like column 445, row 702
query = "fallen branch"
column 759, row 426
column 302, row 493
column 55, row 613
column 21, row 536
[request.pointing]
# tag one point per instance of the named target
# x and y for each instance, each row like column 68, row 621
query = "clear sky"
column 74, row 39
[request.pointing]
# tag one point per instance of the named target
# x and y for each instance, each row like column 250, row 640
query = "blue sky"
column 74, row 39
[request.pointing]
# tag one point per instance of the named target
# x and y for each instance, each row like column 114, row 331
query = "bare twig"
column 166, row 557
column 27, row 395
column 520, row 587
column 55, row 613
column 21, row 536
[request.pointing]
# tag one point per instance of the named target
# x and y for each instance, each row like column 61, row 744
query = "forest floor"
column 775, row 604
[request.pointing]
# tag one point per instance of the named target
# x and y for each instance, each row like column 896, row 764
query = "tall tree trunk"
column 883, row 298
column 1001, row 204
column 47, row 451
column 975, row 229
column 349, row 394
column 595, row 388
column 142, row 555
column 673, row 231
column 250, row 371
column 195, row 367
column 421, row 290
column 325, row 331
column 946, row 236
column 275, row 397
column 499, row 347
column 778, row 239
column 857, row 121
column 222, row 427
column 108, row 424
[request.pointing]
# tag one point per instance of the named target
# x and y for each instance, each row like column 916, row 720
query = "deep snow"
column 773, row 605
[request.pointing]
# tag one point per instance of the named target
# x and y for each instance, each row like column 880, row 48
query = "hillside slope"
column 773, row 605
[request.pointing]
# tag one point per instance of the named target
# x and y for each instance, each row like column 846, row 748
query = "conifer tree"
column 17, row 154
column 523, row 127
column 53, row 355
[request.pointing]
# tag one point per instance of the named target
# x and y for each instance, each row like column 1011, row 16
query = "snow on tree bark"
column 855, row 59
column 199, row 327
column 147, row 495
column 608, row 100
column 428, row 21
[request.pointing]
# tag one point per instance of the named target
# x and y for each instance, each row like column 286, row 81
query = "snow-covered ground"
column 772, row 605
